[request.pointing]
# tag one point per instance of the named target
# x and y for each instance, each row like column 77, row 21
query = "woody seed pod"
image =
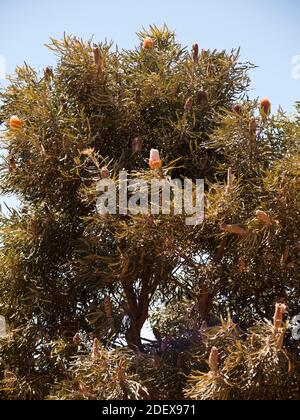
column 204, row 54
column 202, row 98
column 242, row 265
column 284, row 257
column 252, row 126
column 280, row 310
column 263, row 217
column 10, row 379
column 96, row 349
column 230, row 179
column 107, row 307
column 121, row 370
column 214, row 360
column 238, row 109
column 234, row 229
column 137, row 145
column 188, row 104
column 11, row 164
column 76, row 340
column 48, row 74
column 97, row 57
column 196, row 53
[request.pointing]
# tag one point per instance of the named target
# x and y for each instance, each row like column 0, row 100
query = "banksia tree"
column 77, row 284
column 249, row 360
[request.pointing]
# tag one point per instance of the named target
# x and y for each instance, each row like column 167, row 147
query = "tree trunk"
column 133, row 337
column 138, row 308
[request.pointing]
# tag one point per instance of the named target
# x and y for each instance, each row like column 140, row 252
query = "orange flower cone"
column 155, row 161
column 265, row 108
column 105, row 174
column 148, row 43
column 15, row 123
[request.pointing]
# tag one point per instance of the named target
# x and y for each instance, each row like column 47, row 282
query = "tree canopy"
column 76, row 287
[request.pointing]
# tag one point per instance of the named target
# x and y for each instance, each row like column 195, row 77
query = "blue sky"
column 267, row 31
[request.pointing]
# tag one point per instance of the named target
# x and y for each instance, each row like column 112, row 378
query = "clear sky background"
column 268, row 32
